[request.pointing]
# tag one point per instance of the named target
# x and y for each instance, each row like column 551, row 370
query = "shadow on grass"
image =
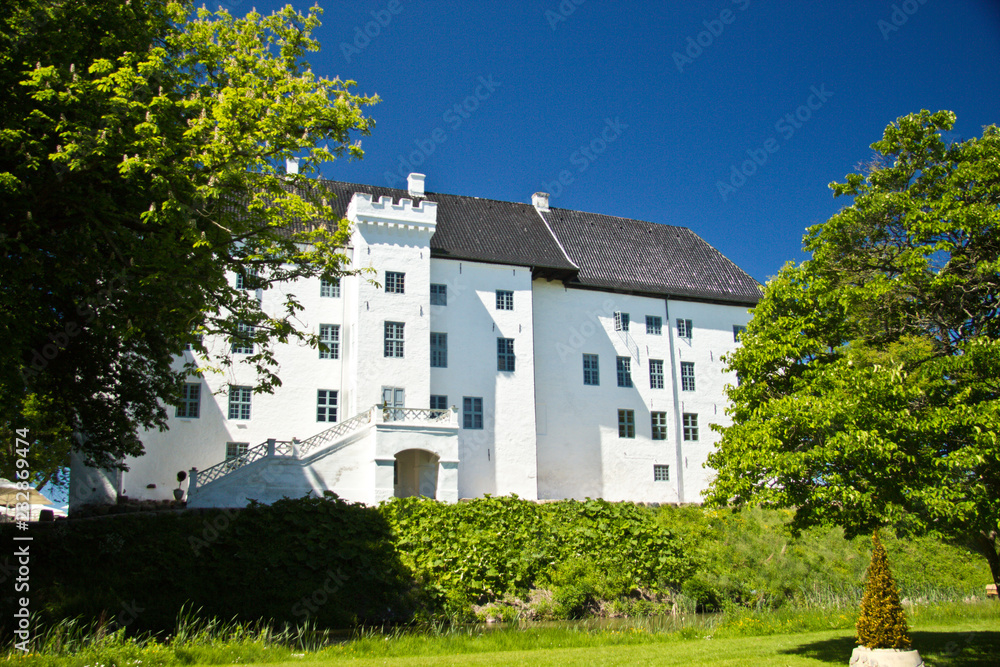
column 941, row 649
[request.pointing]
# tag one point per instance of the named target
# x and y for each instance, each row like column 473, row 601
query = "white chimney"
column 415, row 185
column 292, row 166
column 540, row 201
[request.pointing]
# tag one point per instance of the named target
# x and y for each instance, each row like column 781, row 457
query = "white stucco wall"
column 580, row 453
column 499, row 458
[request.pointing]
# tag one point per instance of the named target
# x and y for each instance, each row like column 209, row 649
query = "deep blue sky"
column 556, row 84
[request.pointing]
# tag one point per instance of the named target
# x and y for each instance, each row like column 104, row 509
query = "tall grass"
column 213, row 642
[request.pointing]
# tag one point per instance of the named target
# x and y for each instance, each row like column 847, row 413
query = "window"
column 199, row 340
column 621, row 321
column 329, row 288
column 329, row 335
column 626, row 423
column 687, row 375
column 439, row 405
column 239, row 402
column 505, row 300
column 234, row 450
column 661, row 473
column 690, row 427
column 591, row 375
column 394, row 339
column 190, row 401
column 439, row 295
column 394, row 282
column 326, row 405
column 737, row 330
column 656, row 373
column 624, row 372
column 472, row 412
column 243, row 340
column 245, row 281
column 684, row 328
column 659, row 420
column 654, row 325
column 439, row 350
column 505, row 354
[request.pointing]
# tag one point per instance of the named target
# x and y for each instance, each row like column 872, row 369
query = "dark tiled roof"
column 601, row 251
column 632, row 255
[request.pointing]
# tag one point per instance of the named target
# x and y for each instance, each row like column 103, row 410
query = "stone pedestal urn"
column 885, row 657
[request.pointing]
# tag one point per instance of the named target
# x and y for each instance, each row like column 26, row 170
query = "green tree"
column 869, row 386
column 142, row 153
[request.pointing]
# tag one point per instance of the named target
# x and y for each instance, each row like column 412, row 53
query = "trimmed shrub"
column 882, row 622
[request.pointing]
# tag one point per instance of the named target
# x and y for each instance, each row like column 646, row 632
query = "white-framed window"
column 656, row 373
column 326, row 405
column 439, row 404
column 245, row 279
column 243, row 340
column 661, row 473
column 329, row 288
column 690, row 427
column 329, row 335
column 654, row 325
column 505, row 354
column 394, row 282
column 621, row 321
column 591, row 372
column 472, row 412
column 234, row 450
column 626, row 423
column 687, row 375
column 505, row 299
column 190, row 405
column 394, row 339
column 659, row 423
column 624, row 365
column 439, row 294
column 684, row 328
column 737, row 330
column 239, row 402
column 439, row 350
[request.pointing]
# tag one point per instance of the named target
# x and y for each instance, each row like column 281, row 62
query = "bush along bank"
column 335, row 564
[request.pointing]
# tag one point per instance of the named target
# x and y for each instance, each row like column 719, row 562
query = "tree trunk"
column 988, row 547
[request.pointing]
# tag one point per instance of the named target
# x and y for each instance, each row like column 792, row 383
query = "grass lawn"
column 960, row 642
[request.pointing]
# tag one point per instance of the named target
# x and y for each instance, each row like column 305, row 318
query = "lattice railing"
column 269, row 448
column 416, row 415
column 335, row 432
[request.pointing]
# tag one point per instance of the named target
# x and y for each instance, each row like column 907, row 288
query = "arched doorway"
column 415, row 473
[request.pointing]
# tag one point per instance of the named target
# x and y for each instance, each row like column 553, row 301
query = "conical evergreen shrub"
column 882, row 622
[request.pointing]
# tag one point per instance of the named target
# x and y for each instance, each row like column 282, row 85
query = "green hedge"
column 323, row 560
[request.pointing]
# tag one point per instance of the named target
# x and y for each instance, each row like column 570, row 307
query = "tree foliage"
column 870, row 373
column 881, row 620
column 142, row 156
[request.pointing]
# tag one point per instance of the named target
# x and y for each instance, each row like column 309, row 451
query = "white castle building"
column 506, row 349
